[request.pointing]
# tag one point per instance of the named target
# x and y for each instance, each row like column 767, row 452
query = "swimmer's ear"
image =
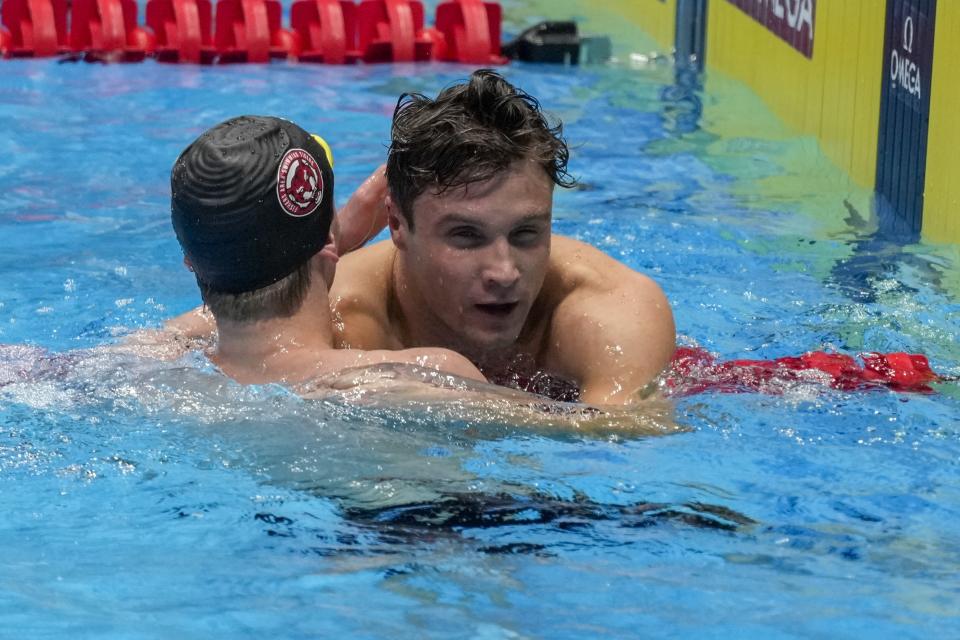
column 396, row 223
column 329, row 250
column 188, row 264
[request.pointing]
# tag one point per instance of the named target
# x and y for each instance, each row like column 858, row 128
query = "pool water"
column 157, row 500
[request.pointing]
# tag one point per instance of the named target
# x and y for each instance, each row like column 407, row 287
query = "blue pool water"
column 146, row 500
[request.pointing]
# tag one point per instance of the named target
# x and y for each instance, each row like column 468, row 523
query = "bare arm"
column 365, row 214
column 441, row 360
column 613, row 334
column 447, row 396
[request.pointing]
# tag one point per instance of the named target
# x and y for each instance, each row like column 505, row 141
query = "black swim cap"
column 251, row 200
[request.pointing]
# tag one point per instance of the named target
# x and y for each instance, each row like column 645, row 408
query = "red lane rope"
column 695, row 370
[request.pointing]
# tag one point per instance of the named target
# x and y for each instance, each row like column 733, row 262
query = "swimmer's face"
column 477, row 256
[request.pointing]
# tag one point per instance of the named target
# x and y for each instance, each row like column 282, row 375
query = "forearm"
column 619, row 392
column 493, row 404
column 364, row 215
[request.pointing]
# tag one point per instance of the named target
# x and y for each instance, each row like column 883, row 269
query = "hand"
column 365, row 214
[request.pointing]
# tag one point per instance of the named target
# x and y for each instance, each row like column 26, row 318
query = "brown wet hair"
column 470, row 133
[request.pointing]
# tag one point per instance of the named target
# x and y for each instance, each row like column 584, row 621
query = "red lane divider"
column 34, row 28
column 204, row 31
column 695, row 370
column 471, row 29
column 250, row 31
column 392, row 31
column 327, row 30
column 183, row 29
column 107, row 30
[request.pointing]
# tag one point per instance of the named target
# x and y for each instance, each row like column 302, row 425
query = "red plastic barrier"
column 695, row 370
column 471, row 30
column 327, row 30
column 107, row 30
column 392, row 31
column 249, row 31
column 35, row 28
column 183, row 29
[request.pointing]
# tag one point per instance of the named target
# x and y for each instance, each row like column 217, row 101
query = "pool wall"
column 870, row 80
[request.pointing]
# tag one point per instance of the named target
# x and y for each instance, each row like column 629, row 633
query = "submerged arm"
column 446, row 396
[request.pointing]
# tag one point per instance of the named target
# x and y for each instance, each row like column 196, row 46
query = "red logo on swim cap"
column 299, row 183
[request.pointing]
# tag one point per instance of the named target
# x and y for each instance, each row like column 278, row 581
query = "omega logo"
column 904, row 72
column 908, row 34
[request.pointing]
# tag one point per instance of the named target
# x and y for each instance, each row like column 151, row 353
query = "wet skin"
column 473, row 264
column 479, row 272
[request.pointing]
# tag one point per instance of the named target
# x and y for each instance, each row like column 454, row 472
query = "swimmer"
column 252, row 207
column 472, row 264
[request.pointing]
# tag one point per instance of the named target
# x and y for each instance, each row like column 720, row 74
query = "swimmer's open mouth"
column 498, row 309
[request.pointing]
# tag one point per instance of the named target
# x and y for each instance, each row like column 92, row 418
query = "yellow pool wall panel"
column 833, row 96
column 658, row 18
column 941, row 209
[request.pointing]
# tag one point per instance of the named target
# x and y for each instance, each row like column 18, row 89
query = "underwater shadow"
column 877, row 254
column 396, row 529
column 455, row 514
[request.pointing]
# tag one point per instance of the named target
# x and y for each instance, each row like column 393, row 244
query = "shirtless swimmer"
column 473, row 266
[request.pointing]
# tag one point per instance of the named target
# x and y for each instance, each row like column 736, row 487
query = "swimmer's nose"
column 500, row 268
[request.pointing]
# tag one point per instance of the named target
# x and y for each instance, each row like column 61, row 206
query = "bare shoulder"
column 359, row 298
column 611, row 329
column 363, row 274
column 579, row 270
column 196, row 323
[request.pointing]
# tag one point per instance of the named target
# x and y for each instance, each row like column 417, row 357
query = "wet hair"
column 470, row 133
column 281, row 299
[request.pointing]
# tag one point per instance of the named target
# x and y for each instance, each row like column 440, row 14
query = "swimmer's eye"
column 465, row 236
column 525, row 236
